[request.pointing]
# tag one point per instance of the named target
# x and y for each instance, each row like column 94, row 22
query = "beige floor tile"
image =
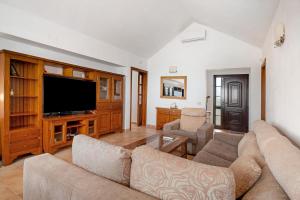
column 7, row 194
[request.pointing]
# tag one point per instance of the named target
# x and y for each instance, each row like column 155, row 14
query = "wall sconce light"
column 173, row 69
column 279, row 35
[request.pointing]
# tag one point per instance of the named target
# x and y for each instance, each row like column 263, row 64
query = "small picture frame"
column 13, row 70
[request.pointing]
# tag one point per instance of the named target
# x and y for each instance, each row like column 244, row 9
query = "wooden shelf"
column 23, row 96
column 24, row 78
column 22, row 128
column 75, row 126
column 22, row 114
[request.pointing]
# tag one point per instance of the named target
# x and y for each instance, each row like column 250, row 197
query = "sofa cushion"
column 211, row 159
column 191, row 123
column 266, row 188
column 47, row 177
column 229, row 138
column 169, row 177
column 248, row 146
column 221, row 149
column 101, row 158
column 282, row 157
column 246, row 172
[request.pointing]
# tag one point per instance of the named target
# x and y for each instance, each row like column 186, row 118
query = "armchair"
column 193, row 125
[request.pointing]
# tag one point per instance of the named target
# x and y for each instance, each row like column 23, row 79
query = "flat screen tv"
column 66, row 95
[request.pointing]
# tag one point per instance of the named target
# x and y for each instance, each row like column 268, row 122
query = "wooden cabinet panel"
column 109, row 109
column 116, row 120
column 165, row 115
column 104, row 122
column 26, row 145
column 17, row 136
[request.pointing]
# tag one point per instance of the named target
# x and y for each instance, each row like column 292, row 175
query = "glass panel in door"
column 104, row 88
column 117, row 90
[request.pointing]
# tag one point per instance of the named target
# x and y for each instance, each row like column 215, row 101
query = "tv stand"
column 58, row 131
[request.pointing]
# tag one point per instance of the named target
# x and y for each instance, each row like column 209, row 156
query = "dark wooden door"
column 235, row 102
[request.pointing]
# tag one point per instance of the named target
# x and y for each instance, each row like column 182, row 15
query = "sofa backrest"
column 192, row 119
column 282, row 157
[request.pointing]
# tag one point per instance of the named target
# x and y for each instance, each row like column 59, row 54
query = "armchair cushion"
column 191, row 123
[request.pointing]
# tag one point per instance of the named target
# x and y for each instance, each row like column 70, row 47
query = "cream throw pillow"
column 101, row 158
column 248, row 147
column 246, row 172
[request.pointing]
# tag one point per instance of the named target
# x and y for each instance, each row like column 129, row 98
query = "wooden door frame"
column 223, row 96
column 144, row 101
column 263, row 90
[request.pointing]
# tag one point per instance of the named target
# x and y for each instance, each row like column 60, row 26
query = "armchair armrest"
column 229, row 138
column 204, row 134
column 174, row 125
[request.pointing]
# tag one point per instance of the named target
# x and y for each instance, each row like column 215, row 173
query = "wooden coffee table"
column 177, row 145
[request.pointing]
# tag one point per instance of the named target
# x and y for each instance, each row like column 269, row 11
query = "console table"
column 166, row 115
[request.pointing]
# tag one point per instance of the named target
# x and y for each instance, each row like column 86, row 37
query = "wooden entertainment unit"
column 23, row 127
column 58, row 132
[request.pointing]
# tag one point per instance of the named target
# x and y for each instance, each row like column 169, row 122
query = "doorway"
column 231, row 102
column 263, row 90
column 138, row 103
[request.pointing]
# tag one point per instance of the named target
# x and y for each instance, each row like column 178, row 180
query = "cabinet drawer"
column 104, row 106
column 163, row 111
column 175, row 112
column 25, row 145
column 18, row 136
column 116, row 106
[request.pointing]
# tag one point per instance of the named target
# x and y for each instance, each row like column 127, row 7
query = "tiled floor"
column 11, row 177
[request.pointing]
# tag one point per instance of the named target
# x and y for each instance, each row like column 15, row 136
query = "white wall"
column 71, row 58
column 218, row 51
column 18, row 23
column 283, row 72
column 134, row 96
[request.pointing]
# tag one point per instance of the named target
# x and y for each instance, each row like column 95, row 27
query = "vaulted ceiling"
column 143, row 27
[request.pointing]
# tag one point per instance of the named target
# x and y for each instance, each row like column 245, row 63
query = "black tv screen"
column 66, row 95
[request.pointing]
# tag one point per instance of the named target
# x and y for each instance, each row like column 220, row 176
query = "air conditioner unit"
column 193, row 36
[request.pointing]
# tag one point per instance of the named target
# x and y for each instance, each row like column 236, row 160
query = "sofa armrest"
column 174, row 125
column 229, row 138
column 204, row 134
column 47, row 177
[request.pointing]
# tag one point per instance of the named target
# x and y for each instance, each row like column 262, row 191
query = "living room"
column 149, row 99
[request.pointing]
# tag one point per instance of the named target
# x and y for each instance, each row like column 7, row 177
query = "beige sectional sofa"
column 157, row 175
column 278, row 158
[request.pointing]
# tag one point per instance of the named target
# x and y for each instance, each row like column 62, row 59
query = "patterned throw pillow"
column 169, row 177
